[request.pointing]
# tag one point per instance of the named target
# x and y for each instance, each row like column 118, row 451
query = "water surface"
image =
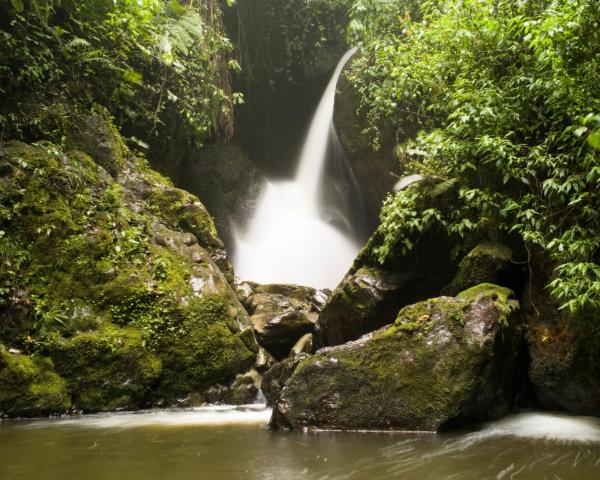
column 233, row 443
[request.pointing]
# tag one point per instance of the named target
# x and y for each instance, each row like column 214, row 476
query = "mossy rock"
column 201, row 350
column 487, row 262
column 107, row 369
column 105, row 273
column 30, row 387
column 95, row 134
column 445, row 362
column 373, row 290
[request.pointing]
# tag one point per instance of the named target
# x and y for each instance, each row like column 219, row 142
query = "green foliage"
column 143, row 59
column 506, row 98
column 283, row 39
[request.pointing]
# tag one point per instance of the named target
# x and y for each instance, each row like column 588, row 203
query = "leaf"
column 133, row 76
column 18, row 5
column 594, row 140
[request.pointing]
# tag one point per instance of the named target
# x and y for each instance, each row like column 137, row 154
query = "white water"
column 210, row 416
column 287, row 241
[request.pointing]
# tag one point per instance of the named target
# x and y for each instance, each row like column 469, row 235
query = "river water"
column 234, row 443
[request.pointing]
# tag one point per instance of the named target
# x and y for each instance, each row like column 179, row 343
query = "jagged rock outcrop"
column 444, row 362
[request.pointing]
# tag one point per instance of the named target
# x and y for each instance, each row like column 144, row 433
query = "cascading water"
column 288, row 241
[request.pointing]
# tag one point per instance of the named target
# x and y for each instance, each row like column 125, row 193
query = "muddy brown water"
column 234, row 443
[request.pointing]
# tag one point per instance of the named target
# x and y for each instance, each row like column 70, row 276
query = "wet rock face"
column 564, row 350
column 444, row 362
column 372, row 169
column 359, row 304
column 281, row 314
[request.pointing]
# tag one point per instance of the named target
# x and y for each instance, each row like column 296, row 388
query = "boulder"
column 244, row 390
column 274, row 380
column 444, row 362
column 364, row 301
column 282, row 314
column 105, row 370
column 280, row 333
column 304, row 345
column 488, row 262
column 127, row 290
column 264, row 360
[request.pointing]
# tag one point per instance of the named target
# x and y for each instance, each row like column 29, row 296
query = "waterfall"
column 288, row 241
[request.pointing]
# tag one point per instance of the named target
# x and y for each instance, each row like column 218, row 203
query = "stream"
column 234, row 442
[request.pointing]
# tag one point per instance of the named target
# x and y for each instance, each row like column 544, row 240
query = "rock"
column 129, row 275
column 279, row 334
column 243, row 391
column 564, row 350
column 282, row 314
column 359, row 304
column 372, row 169
column 264, row 360
column 304, row 345
column 226, row 180
column 245, row 290
column 564, row 369
column 95, row 135
column 275, row 379
column 30, row 387
column 445, row 362
column 487, row 263
column 105, row 370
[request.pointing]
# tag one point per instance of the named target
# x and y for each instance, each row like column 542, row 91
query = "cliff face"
column 115, row 288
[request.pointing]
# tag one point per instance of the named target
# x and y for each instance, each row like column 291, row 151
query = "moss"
column 200, row 349
column 432, row 367
column 487, row 263
column 30, row 387
column 502, row 297
column 182, row 210
column 95, row 256
column 106, row 369
column 96, row 135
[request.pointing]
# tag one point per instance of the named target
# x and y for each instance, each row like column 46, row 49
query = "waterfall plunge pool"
column 233, row 442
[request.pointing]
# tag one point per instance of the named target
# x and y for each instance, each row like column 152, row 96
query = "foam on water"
column 547, row 426
column 552, row 427
column 202, row 416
